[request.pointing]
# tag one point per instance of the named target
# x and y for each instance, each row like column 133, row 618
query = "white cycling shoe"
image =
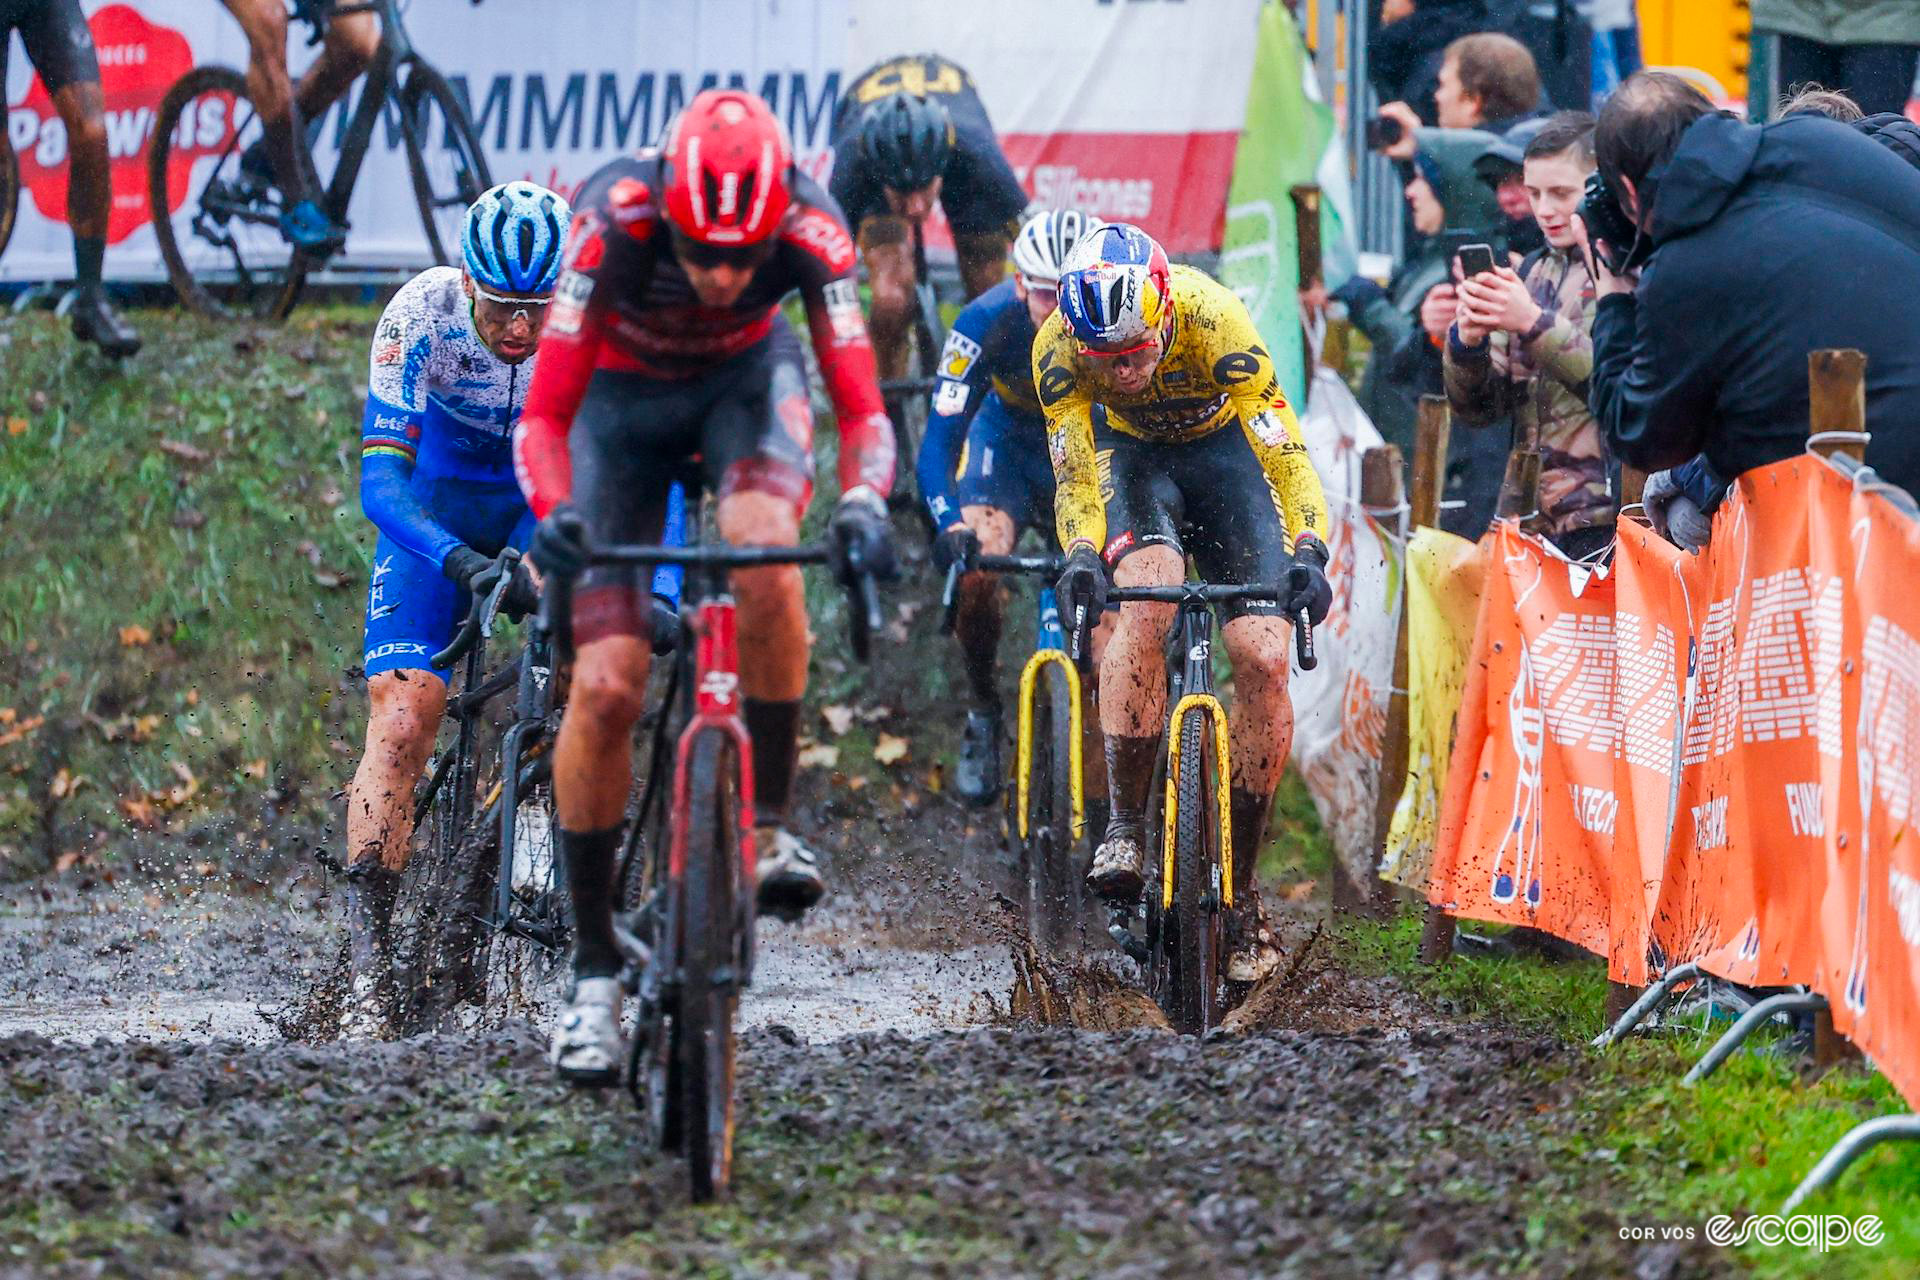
column 362, row 1011
column 587, row 1044
column 788, row 873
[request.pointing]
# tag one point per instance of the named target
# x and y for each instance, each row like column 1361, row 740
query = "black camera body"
column 1383, row 132
column 1627, row 246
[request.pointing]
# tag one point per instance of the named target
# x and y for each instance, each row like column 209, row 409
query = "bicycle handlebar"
column 1193, row 595
column 863, row 590
column 479, row 620
column 1045, row 566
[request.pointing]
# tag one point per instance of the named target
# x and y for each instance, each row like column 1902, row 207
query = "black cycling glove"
column 560, row 542
column 958, row 545
column 522, row 599
column 1082, row 582
column 463, row 564
column 1307, row 585
column 859, row 534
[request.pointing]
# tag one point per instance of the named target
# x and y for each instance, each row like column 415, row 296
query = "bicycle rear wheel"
column 218, row 228
column 1054, row 891
column 710, row 964
column 9, row 191
column 1191, row 998
column 443, row 154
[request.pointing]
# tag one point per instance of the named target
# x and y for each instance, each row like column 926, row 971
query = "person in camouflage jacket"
column 1521, row 344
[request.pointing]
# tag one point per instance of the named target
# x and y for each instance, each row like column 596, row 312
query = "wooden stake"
column 1382, row 488
column 1429, row 480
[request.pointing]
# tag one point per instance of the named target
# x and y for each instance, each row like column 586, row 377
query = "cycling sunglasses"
column 743, row 257
column 1108, row 353
column 1046, row 291
column 532, row 310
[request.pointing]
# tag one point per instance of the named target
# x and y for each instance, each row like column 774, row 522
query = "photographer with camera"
column 1520, row 345
column 1726, row 252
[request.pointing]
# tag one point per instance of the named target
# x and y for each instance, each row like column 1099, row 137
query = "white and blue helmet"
column 513, row 238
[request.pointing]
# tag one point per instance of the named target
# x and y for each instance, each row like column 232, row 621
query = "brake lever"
column 1303, row 641
column 950, row 599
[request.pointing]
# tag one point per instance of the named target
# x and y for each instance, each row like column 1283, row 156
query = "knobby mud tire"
column 710, row 965
column 1192, row 997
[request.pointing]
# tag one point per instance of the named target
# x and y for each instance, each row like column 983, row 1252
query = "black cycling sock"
column 586, row 858
column 1130, row 764
column 89, row 252
column 1250, row 810
column 774, row 728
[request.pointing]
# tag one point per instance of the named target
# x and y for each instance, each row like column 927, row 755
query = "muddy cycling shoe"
column 308, row 228
column 977, row 777
column 1253, row 952
column 587, row 1047
column 789, row 874
column 363, row 1013
column 1119, row 864
column 95, row 320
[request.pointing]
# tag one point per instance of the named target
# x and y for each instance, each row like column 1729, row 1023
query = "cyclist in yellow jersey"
column 1169, row 436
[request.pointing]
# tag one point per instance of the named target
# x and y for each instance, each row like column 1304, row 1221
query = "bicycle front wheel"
column 710, row 964
column 1192, row 996
column 443, row 153
column 218, row 226
column 1054, row 890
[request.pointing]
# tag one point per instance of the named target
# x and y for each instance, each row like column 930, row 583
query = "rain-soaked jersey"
column 1215, row 372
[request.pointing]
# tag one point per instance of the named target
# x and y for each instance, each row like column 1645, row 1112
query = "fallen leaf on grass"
column 839, row 719
column 256, row 768
column 21, row 730
column 870, row 714
column 68, row 861
column 331, row 579
column 7, row 715
column 857, row 782
column 332, row 495
column 184, row 451
column 188, row 788
column 16, row 426
column 139, row 811
column 818, row 756
column 66, row 783
column 135, row 636
column 308, row 548
column 143, row 727
column 890, row 749
column 1299, row 892
column 193, row 697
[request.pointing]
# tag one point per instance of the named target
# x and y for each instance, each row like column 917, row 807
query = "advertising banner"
column 1527, row 823
column 1340, row 707
column 1086, row 99
column 1445, row 575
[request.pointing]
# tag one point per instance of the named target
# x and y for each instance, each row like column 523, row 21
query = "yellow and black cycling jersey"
column 1215, row 372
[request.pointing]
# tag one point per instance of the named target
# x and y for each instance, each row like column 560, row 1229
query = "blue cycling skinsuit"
column 986, row 440
column 436, row 465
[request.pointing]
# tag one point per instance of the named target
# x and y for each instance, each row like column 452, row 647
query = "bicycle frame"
column 716, row 708
column 395, row 50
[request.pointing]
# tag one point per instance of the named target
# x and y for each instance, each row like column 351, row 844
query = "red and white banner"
column 1129, row 109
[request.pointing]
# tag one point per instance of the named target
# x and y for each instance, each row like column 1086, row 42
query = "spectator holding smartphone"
column 1521, row 344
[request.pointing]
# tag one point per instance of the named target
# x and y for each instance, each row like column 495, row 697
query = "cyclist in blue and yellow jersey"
column 1170, row 436
column 983, row 469
column 452, row 356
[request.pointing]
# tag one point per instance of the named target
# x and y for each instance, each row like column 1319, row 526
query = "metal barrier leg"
column 1650, row 1000
column 1785, row 1002
column 1861, row 1139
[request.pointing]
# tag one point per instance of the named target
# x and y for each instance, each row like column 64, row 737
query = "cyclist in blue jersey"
column 452, row 357
column 983, row 468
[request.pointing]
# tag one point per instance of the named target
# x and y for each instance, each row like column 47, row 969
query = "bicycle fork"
column 717, row 707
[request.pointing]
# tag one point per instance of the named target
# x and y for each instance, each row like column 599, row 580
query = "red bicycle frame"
column 716, row 705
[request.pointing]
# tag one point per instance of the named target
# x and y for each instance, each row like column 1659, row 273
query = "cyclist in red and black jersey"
column 666, row 343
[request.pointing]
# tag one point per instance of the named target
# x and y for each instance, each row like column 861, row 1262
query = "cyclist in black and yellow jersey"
column 1170, row 436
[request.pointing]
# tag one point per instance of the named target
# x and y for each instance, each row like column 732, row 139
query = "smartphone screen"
column 1475, row 259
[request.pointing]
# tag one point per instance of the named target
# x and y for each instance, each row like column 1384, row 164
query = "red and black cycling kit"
column 624, row 306
column 637, row 378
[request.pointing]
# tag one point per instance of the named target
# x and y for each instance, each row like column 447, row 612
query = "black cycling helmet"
column 909, row 136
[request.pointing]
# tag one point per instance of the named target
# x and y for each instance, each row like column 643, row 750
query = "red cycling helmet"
column 728, row 169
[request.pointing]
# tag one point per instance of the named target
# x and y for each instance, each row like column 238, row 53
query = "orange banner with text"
column 1708, row 757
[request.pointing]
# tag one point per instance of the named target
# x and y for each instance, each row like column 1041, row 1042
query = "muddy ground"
column 896, row 1119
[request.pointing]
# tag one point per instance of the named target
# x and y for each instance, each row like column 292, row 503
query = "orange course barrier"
column 1709, row 757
